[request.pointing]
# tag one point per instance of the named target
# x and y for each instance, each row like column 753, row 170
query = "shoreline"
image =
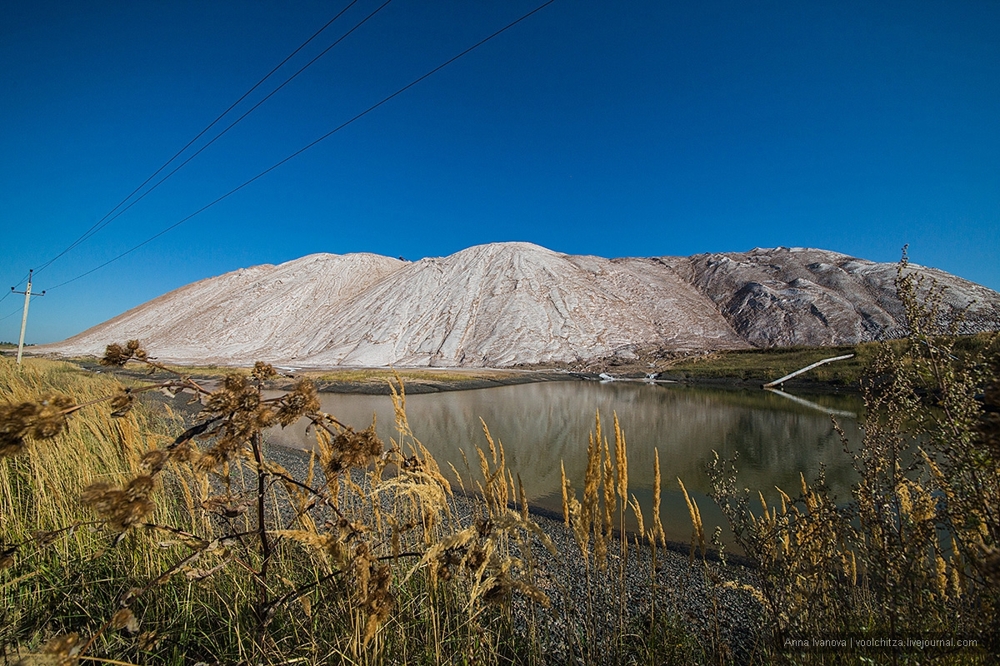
column 375, row 381
column 415, row 385
column 728, row 370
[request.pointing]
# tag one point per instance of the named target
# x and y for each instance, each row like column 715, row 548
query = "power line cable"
column 97, row 226
column 8, row 293
column 310, row 145
column 236, row 122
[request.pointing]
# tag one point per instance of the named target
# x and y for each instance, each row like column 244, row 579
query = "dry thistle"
column 378, row 600
column 125, row 619
column 301, row 401
column 64, row 649
column 43, row 419
column 116, row 355
column 148, row 640
column 120, row 507
column 263, row 371
column 122, row 403
column 353, row 449
column 153, row 461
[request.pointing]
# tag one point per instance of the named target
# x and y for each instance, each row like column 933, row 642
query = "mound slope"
column 511, row 303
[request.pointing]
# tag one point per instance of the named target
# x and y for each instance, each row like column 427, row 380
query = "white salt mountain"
column 801, row 296
column 505, row 304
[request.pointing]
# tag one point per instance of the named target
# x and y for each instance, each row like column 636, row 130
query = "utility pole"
column 24, row 315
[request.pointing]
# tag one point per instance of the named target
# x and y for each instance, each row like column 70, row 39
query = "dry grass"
column 413, row 377
column 189, row 545
column 211, row 552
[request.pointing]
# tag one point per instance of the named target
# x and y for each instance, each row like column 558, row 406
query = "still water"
column 542, row 424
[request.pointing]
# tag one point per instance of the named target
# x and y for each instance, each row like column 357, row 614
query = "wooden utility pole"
column 24, row 314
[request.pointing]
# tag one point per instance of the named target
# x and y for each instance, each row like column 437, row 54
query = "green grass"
column 764, row 365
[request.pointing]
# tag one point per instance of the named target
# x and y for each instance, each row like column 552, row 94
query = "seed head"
column 262, row 371
column 121, row 508
column 125, row 619
column 116, row 355
column 43, row 419
column 354, row 449
column 122, row 403
column 301, row 400
column 64, row 648
column 148, row 640
column 153, row 461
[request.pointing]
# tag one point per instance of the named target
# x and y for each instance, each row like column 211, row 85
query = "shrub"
column 915, row 548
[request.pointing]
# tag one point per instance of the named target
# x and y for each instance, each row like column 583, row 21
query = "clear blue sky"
column 634, row 128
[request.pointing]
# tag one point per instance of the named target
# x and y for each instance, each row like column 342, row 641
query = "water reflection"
column 543, row 424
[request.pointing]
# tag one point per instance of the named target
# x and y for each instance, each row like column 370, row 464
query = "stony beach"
column 704, row 603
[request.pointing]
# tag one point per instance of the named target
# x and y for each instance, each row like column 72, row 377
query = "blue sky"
column 636, row 128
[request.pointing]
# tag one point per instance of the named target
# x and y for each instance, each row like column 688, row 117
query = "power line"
column 6, row 294
column 237, row 121
column 104, row 221
column 310, row 145
column 8, row 316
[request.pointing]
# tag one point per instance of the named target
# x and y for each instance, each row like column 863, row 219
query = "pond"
column 540, row 425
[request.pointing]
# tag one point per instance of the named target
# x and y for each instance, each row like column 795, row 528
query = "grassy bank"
column 758, row 366
column 763, row 365
column 370, row 381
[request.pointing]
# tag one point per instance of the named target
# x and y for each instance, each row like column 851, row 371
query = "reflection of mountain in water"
column 543, row 424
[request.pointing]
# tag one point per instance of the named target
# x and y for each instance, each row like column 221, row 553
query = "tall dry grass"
column 913, row 552
column 50, row 541
column 129, row 538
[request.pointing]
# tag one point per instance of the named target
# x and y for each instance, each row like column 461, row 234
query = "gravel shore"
column 703, row 603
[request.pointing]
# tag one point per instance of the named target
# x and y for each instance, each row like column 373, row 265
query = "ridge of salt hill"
column 505, row 304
